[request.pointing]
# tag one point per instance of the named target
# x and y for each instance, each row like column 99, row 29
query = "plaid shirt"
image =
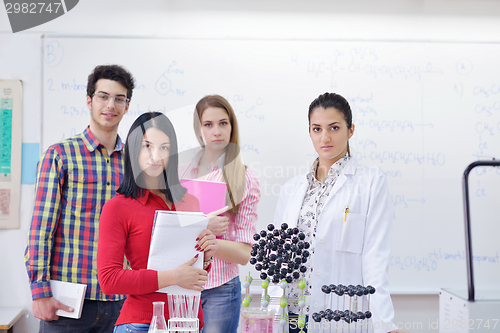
column 74, row 180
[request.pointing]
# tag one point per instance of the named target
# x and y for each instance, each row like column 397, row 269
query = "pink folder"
column 212, row 195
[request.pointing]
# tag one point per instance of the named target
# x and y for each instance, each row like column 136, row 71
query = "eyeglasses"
column 104, row 99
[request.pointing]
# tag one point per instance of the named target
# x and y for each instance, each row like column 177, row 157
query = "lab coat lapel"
column 349, row 169
column 295, row 203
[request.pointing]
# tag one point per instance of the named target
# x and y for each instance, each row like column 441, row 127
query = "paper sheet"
column 173, row 243
column 70, row 294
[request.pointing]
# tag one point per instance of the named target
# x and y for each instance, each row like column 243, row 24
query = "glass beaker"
column 257, row 320
column 158, row 323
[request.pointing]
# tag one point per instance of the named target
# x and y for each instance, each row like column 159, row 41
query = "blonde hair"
column 233, row 171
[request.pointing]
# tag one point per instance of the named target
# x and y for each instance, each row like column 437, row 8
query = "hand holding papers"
column 219, row 225
column 173, row 243
column 217, row 212
column 70, row 294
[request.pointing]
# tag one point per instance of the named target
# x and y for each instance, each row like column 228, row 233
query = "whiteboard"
column 422, row 111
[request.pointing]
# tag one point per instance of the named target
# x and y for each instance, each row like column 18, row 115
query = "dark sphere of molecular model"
column 326, row 289
column 279, row 253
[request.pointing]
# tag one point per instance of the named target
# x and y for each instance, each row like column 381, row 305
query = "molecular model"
column 350, row 314
column 279, row 255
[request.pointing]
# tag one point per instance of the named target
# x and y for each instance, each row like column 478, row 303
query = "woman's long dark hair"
column 133, row 175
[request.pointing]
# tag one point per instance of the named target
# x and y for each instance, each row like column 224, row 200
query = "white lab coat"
column 353, row 252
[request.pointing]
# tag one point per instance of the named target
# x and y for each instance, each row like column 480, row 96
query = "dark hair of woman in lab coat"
column 332, row 100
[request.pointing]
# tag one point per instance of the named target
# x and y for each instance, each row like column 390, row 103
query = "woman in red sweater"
column 150, row 182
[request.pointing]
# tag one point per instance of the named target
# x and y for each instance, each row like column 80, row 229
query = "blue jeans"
column 131, row 328
column 97, row 316
column 221, row 307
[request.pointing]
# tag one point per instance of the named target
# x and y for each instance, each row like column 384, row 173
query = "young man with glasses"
column 74, row 180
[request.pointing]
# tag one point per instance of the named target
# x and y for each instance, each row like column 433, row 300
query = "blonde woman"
column 216, row 129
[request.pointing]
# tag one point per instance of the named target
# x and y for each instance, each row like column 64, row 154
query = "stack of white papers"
column 173, row 243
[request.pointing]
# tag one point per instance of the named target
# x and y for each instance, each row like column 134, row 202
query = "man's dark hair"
column 113, row 73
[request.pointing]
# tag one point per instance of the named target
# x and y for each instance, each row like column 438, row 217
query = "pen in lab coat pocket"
column 346, row 211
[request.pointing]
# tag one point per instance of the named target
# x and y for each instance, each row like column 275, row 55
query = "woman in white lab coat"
column 344, row 210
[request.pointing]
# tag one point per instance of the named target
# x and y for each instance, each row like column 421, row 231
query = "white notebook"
column 173, row 242
column 70, row 294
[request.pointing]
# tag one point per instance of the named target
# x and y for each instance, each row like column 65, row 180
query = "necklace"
column 205, row 166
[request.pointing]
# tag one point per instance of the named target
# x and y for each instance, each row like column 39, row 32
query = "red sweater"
column 125, row 229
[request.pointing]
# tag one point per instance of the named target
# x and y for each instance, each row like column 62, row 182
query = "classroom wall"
column 419, row 20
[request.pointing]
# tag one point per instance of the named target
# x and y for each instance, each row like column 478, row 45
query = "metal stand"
column 462, row 311
column 468, row 240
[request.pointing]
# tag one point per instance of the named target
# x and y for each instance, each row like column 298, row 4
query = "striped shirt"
column 241, row 226
column 74, row 179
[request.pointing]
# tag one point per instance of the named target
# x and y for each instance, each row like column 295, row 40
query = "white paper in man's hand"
column 70, row 294
column 173, row 243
